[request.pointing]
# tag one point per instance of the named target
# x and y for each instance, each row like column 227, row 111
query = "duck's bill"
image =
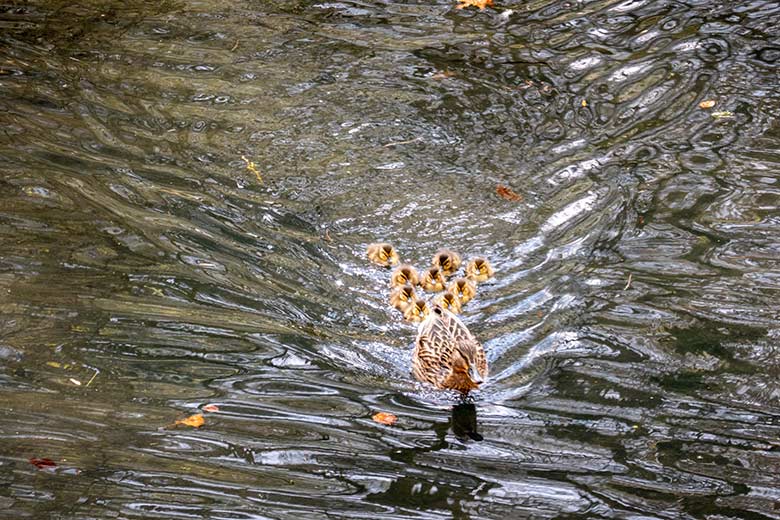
column 475, row 376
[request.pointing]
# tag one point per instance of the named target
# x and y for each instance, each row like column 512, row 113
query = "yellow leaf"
column 196, row 421
column 707, row 104
column 474, row 3
column 584, row 103
column 385, row 418
column 250, row 165
column 53, row 364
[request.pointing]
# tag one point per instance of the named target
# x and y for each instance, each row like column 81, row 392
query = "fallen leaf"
column 474, row 3
column 43, row 463
column 385, row 418
column 584, row 103
column 443, row 74
column 722, row 114
column 707, row 104
column 196, row 421
column 211, row 408
column 250, row 165
column 75, row 381
column 54, row 364
column 506, row 193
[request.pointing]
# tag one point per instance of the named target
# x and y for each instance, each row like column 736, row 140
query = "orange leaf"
column 211, row 408
column 707, row 104
column 474, row 3
column 506, row 193
column 385, row 418
column 196, row 421
column 43, row 463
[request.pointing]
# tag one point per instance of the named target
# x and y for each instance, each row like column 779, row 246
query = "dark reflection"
column 464, row 422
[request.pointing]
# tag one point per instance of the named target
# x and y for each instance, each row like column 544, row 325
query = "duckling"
column 402, row 297
column 464, row 289
column 446, row 260
column 417, row 311
column 382, row 253
column 448, row 301
column 447, row 355
column 433, row 280
column 404, row 274
column 479, row 270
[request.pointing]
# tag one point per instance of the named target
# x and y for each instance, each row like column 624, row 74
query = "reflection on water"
column 145, row 273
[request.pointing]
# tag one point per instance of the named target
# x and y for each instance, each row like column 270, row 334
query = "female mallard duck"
column 449, row 301
column 433, row 280
column 446, row 260
column 402, row 297
column 479, row 269
column 404, row 274
column 446, row 354
column 382, row 254
column 464, row 289
column 417, row 311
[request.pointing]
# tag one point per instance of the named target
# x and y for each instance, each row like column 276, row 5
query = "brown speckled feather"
column 437, row 338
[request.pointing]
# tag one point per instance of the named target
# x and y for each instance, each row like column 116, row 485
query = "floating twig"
column 628, row 283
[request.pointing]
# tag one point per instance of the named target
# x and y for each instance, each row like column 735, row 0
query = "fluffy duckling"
column 417, row 311
column 402, row 297
column 382, row 253
column 448, row 301
column 433, row 280
column 404, row 274
column 446, row 260
column 463, row 289
column 447, row 355
column 479, row 270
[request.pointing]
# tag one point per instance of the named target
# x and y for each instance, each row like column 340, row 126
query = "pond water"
column 146, row 272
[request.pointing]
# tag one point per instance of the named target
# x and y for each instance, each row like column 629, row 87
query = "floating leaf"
column 75, row 381
column 474, row 3
column 43, row 463
column 196, row 421
column 250, row 165
column 385, row 418
column 707, row 104
column 506, row 193
column 722, row 114
column 211, row 408
column 584, row 103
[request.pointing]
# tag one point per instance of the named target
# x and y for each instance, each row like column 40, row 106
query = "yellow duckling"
column 479, row 269
column 464, row 289
column 402, row 297
column 447, row 355
column 404, row 274
column 448, row 301
column 417, row 311
column 433, row 280
column 446, row 260
column 382, row 253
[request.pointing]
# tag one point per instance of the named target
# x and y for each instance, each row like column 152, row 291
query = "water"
column 631, row 328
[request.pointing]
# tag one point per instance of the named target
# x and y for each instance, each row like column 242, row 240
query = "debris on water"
column 707, row 104
column 385, row 418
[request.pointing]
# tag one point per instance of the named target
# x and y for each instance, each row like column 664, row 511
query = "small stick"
column 234, row 46
column 401, row 142
column 93, row 377
column 628, row 284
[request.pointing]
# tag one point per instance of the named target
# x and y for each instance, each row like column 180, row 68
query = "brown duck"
column 447, row 355
column 404, row 274
column 479, row 269
column 446, row 260
column 382, row 253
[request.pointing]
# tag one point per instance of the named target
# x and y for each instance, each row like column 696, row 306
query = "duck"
column 417, row 311
column 449, row 301
column 447, row 355
column 464, row 289
column 383, row 254
column 478, row 269
column 433, row 280
column 446, row 260
column 402, row 297
column 404, row 274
